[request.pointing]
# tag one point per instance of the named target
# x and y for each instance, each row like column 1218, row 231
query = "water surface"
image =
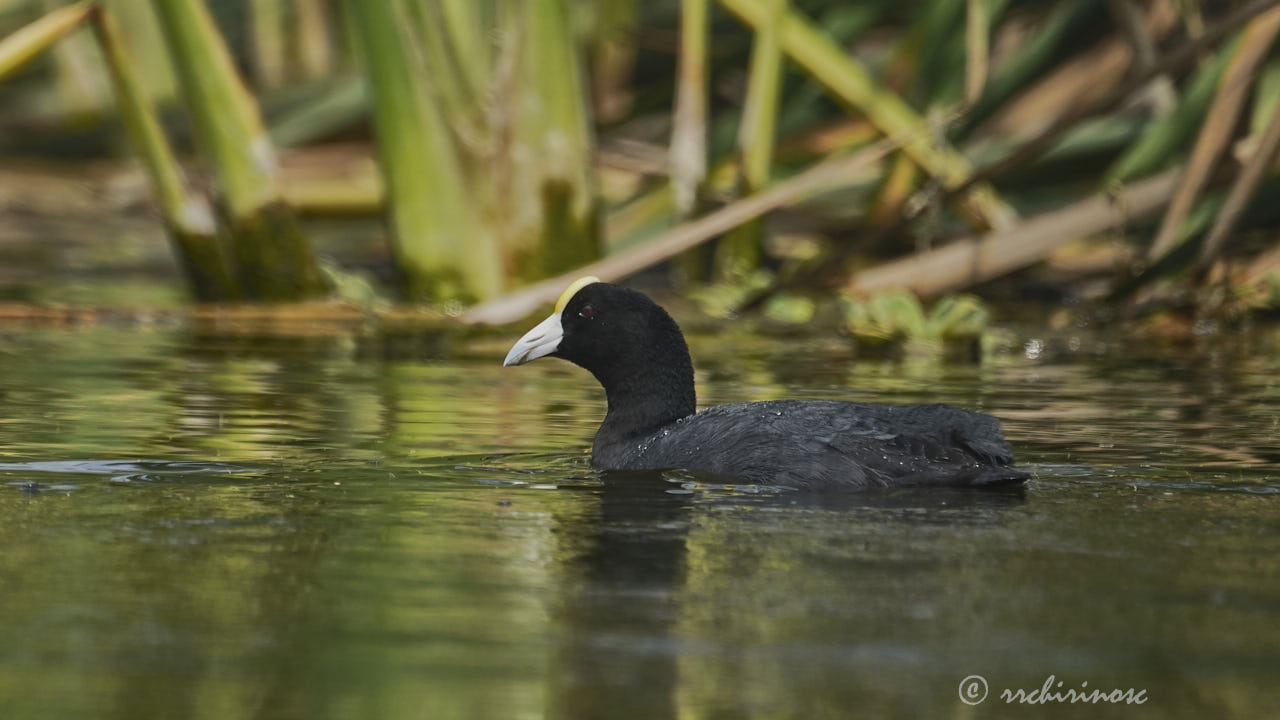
column 213, row 526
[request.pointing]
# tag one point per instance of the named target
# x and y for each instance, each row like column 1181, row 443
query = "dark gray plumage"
column 818, row 444
column 638, row 354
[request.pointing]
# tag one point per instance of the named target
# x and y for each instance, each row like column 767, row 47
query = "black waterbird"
column 637, row 352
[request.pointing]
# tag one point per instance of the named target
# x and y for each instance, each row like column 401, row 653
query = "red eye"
column 587, row 312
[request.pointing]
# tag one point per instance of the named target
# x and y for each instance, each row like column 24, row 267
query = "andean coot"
column 638, row 354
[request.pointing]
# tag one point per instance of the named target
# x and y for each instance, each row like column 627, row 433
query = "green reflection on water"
column 214, row 527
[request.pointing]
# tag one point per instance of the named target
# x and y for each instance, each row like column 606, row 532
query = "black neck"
column 648, row 394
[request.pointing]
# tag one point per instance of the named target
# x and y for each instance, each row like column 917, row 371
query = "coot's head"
column 626, row 340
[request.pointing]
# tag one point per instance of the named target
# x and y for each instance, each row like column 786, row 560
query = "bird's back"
column 827, row 444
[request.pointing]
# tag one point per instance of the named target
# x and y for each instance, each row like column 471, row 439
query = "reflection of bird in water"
column 622, row 602
column 627, row 589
